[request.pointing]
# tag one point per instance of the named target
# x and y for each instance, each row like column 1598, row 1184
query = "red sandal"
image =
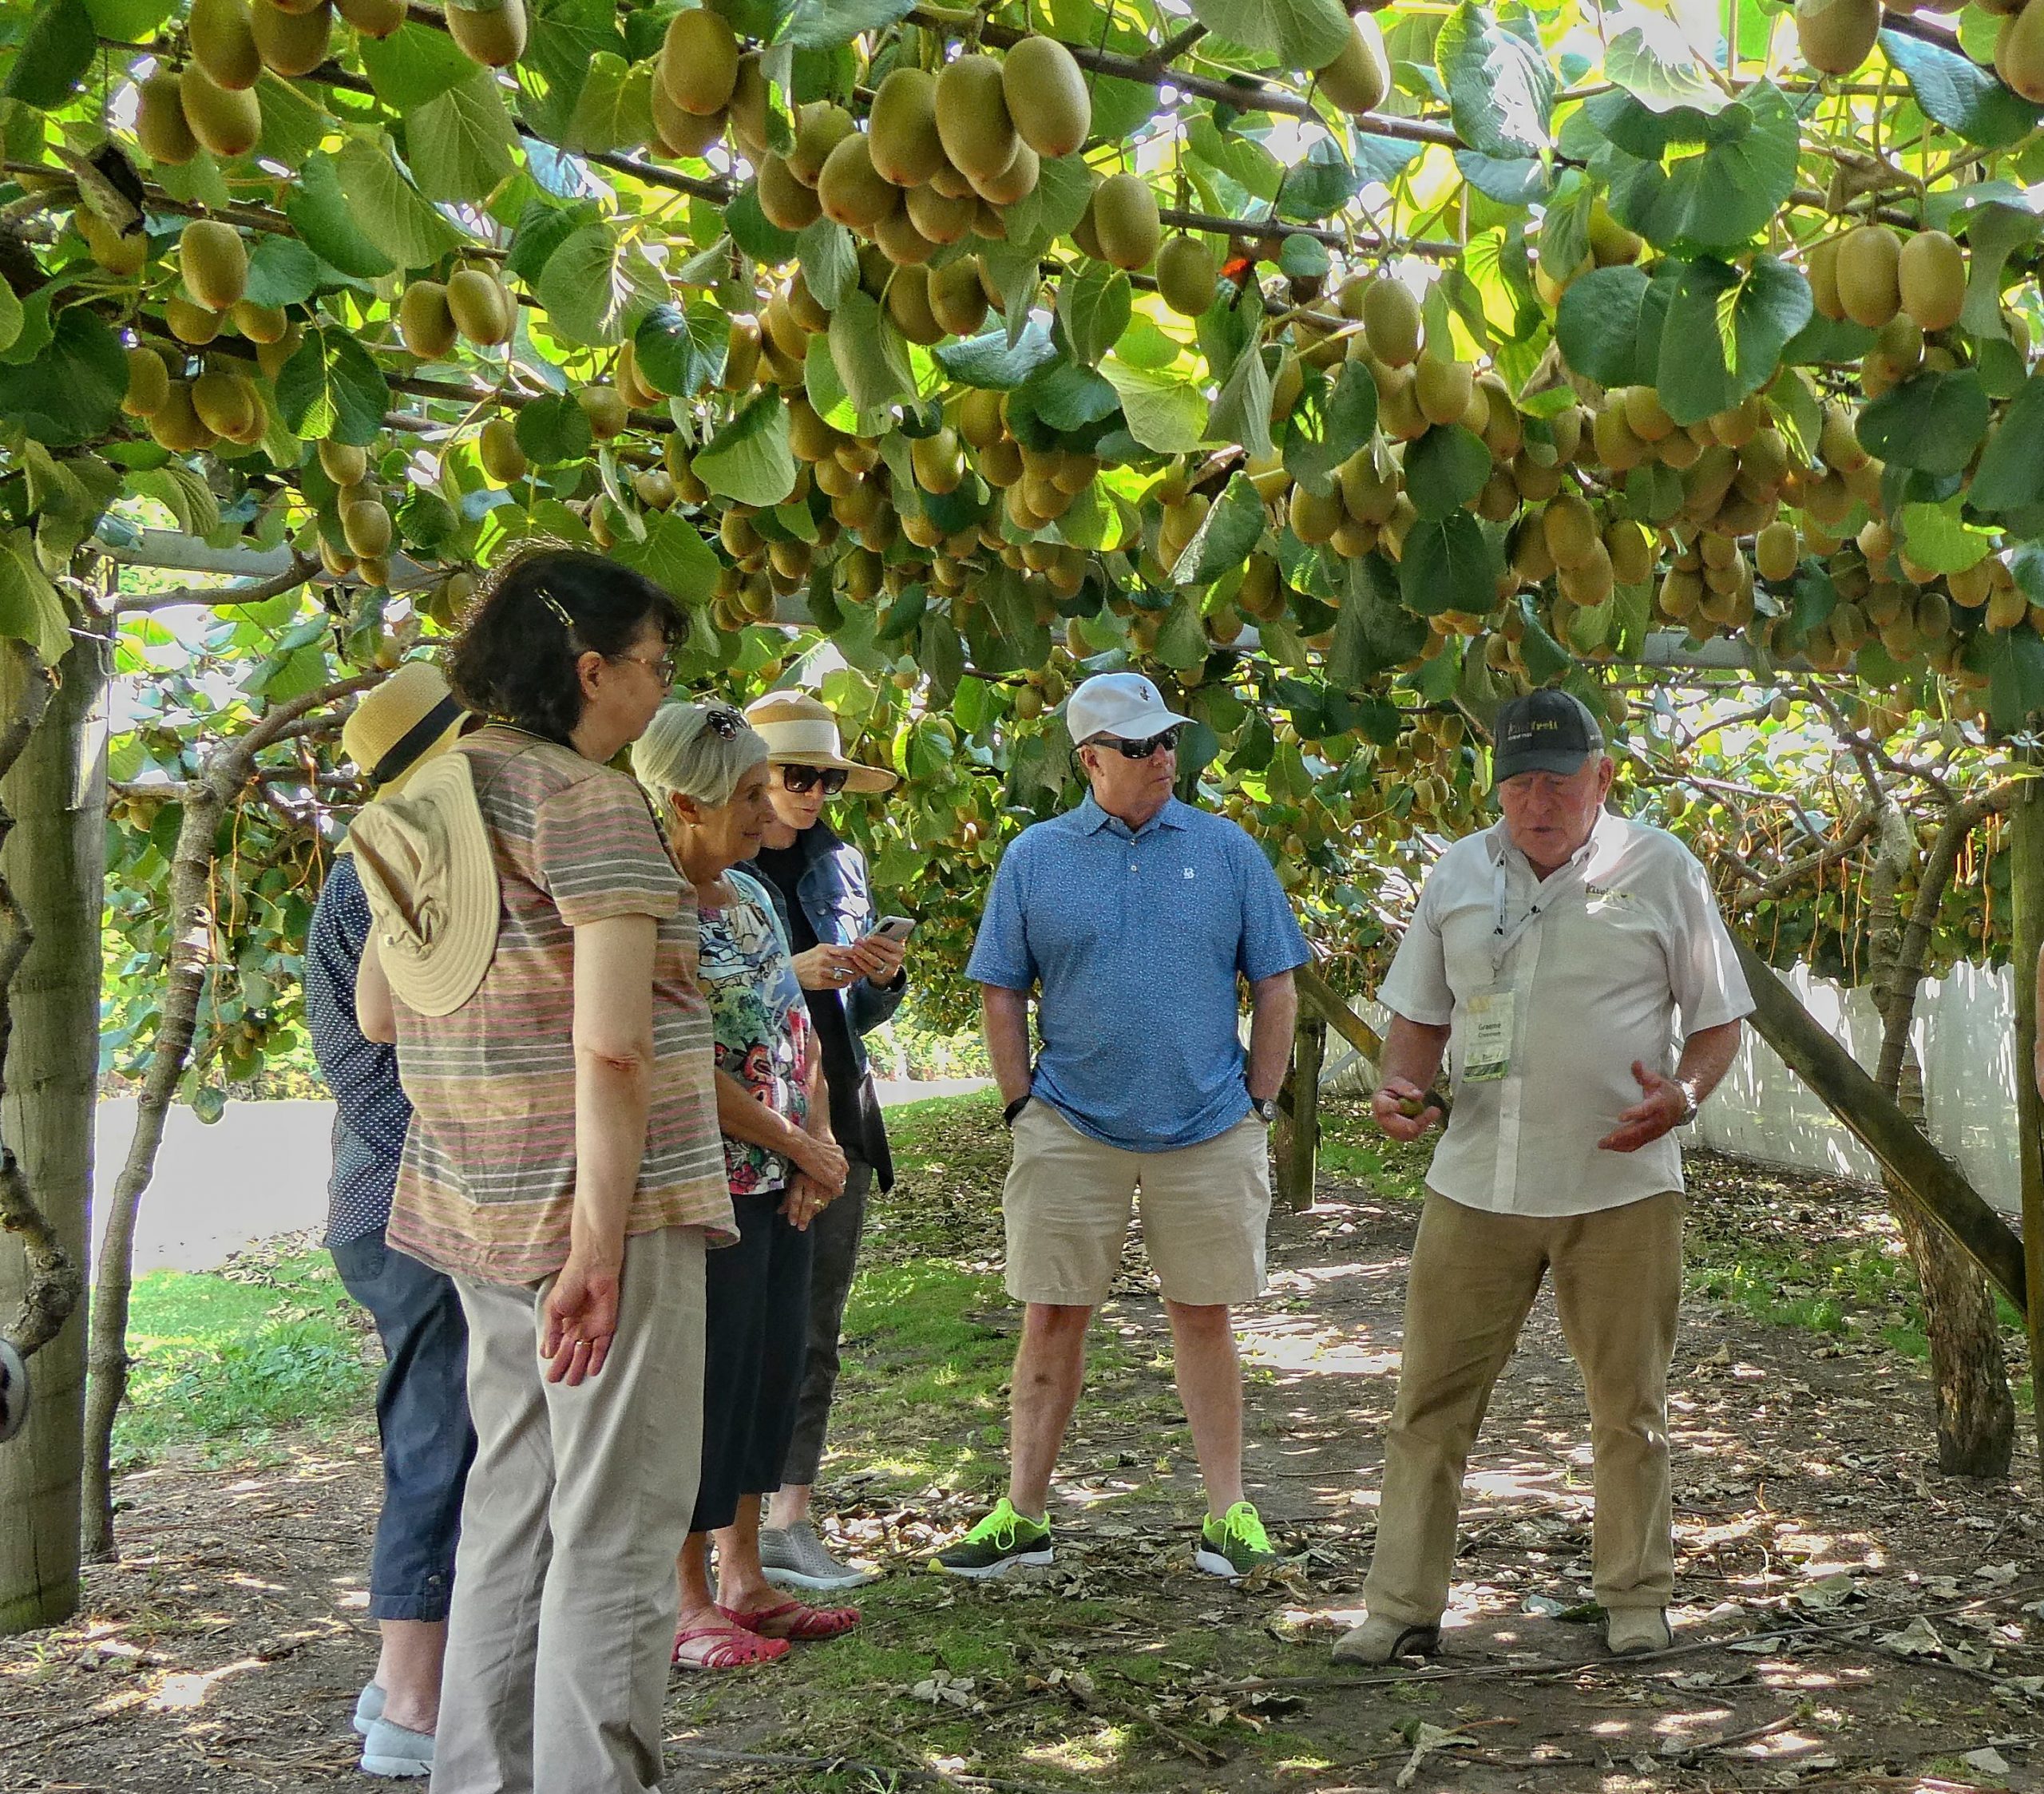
column 723, row 1647
column 795, row 1620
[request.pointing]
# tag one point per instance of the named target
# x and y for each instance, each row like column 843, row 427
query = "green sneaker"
column 1003, row 1541
column 1235, row 1544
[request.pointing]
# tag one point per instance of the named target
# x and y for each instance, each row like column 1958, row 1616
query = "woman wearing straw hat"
column 854, row 981
column 707, row 773
column 563, row 1165
column 422, row 1402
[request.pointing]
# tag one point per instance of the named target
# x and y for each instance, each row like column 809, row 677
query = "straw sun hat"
column 801, row 731
column 401, row 724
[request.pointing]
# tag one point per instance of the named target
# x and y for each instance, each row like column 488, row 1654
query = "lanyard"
column 1503, row 940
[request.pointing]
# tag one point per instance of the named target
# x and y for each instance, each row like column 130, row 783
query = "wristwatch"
column 1689, row 1103
column 1008, row 1115
column 1265, row 1108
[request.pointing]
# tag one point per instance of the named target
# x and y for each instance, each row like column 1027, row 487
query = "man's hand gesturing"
column 1403, row 1109
column 1664, row 1105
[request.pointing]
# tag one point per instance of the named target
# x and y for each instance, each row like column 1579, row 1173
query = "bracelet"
column 1008, row 1115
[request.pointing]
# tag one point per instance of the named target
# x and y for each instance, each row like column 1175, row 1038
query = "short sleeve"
column 1704, row 974
column 1271, row 941
column 1000, row 951
column 598, row 855
column 1417, row 986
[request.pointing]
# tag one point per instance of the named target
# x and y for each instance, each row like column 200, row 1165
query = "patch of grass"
column 224, row 1357
column 1351, row 1148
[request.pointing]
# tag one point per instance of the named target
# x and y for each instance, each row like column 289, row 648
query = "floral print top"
column 762, row 1027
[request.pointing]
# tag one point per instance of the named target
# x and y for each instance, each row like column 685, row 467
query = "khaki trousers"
column 1617, row 1281
column 564, row 1589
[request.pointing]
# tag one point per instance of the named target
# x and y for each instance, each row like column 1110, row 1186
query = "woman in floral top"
column 707, row 771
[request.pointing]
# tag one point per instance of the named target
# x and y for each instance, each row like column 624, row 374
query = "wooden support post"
column 2026, row 881
column 1297, row 1141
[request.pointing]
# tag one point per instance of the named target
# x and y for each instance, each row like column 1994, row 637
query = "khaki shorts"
column 1066, row 1201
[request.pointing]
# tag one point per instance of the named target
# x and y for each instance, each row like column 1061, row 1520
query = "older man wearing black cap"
column 1577, row 966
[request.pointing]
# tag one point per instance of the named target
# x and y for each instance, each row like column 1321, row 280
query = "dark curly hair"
column 544, row 608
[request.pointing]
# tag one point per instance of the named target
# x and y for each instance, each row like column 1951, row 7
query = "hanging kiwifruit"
column 908, row 304
column 149, row 383
column 424, row 321
column 901, row 242
column 680, row 132
column 159, row 126
column 1016, row 181
column 901, row 134
column 784, row 200
column 1836, row 36
column 1358, row 79
column 956, row 298
column 118, row 254
column 503, row 460
column 292, row 42
column 227, row 404
column 699, row 61
column 271, row 356
column 174, row 426
column 1930, row 278
column 605, row 408
column 373, row 18
column 482, row 307
column 366, row 527
column 225, row 120
column 1186, row 276
column 1868, row 271
column 496, row 39
column 191, row 322
column 2019, row 52
column 851, row 190
column 213, row 262
column 939, row 220
column 344, row 463
column 1124, row 214
column 259, row 324
column 222, row 35
column 972, row 121
column 1391, row 322
column 1047, row 97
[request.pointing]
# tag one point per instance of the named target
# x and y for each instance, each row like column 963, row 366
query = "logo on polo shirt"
column 1190, row 872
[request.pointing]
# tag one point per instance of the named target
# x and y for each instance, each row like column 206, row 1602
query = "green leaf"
column 1233, row 526
column 870, row 356
column 754, row 232
column 2011, row 471
column 597, row 286
column 1374, row 631
column 1932, row 423
column 2014, row 661
column 293, row 127
column 1757, row 311
column 614, row 111
column 1994, row 232
column 1510, row 180
column 30, row 609
column 319, row 210
column 1500, row 86
column 332, row 387
column 673, row 555
column 11, row 317
column 1064, row 189
column 1960, row 95
column 1652, row 61
column 1165, row 415
column 831, row 24
column 132, row 20
column 1716, row 201
column 1545, row 658
column 1445, row 469
column 1241, row 412
column 1938, row 538
column 415, row 64
column 566, row 37
column 461, row 140
column 70, row 389
column 1449, row 564
column 54, row 53
column 830, row 262
column 1598, row 325
column 393, row 215
column 1344, row 415
column 183, row 493
column 904, row 614
column 749, row 459
column 1066, row 396
column 553, row 430
column 1242, row 160
column 541, row 229
column 1301, row 34
column 987, row 360
column 1182, row 639
column 681, row 348
column 283, row 271
column 1095, row 306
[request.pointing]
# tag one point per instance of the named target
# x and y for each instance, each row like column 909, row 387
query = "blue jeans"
column 422, row 1419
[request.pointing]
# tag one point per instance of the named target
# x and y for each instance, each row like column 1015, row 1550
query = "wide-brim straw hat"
column 801, row 731
column 401, row 724
column 424, row 858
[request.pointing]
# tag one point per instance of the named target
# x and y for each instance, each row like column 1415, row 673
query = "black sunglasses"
column 724, row 724
column 802, row 780
column 1139, row 750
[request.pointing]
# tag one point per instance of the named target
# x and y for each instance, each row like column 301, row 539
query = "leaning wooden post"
column 2027, row 880
column 1296, row 1142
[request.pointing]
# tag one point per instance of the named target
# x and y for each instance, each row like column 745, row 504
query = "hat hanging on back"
column 800, row 730
column 1543, row 732
column 1123, row 704
column 400, row 724
column 424, row 858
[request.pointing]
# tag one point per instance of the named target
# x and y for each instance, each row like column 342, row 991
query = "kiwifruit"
column 1931, row 277
column 226, row 403
column 604, row 410
column 1187, row 276
column 259, row 324
column 1124, row 213
column 679, row 132
column 118, row 254
column 366, row 527
column 1443, row 389
column 1016, row 181
column 851, row 189
column 346, row 463
column 1612, row 244
column 741, row 356
column 1631, row 550
column 1358, row 79
column 271, row 357
column 222, row 35
column 958, row 302
column 148, row 382
column 748, row 108
column 2019, row 53
column 1869, row 291
column 988, row 222
column 1646, row 416
column 1836, row 36
column 973, row 123
column 901, row 131
column 901, row 242
column 191, row 322
column 1391, row 322
column 1314, row 517
column 480, row 307
column 784, row 330
column 939, row 220
column 213, row 262
column 496, row 39
column 227, row 121
column 159, row 126
column 175, row 425
column 292, row 43
column 809, row 310
column 784, row 200
column 1569, row 527
column 908, row 304
column 820, row 127
column 699, row 61
column 1047, row 97
column 373, row 18
column 424, row 321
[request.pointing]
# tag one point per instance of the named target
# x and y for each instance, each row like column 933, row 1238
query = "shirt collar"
column 1092, row 818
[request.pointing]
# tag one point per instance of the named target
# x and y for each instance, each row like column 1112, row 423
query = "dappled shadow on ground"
column 1848, row 1619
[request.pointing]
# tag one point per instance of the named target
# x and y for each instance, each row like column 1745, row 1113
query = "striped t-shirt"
column 488, row 1180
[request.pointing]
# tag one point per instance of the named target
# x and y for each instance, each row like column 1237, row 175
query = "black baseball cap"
column 1543, row 732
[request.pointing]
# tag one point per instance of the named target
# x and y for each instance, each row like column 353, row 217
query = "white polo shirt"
column 1618, row 956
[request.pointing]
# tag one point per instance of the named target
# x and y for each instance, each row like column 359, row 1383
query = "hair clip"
column 560, row 614
column 726, row 723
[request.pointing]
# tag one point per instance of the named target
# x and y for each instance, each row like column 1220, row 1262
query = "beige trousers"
column 564, row 1591
column 1617, row 1281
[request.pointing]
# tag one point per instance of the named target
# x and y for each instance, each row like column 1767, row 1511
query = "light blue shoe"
column 368, row 1709
column 390, row 1751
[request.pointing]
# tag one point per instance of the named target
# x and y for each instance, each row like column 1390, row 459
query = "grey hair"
column 685, row 753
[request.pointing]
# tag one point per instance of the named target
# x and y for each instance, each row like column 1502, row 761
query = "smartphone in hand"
column 894, row 928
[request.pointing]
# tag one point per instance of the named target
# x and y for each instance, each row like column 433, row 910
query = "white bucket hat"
column 426, row 868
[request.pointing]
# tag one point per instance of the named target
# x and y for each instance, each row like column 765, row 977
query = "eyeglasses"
column 1168, row 740
column 663, row 670
column 802, row 780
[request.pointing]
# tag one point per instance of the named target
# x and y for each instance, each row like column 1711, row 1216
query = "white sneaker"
column 797, row 1556
column 391, row 1751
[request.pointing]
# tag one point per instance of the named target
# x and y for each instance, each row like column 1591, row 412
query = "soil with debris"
column 1847, row 1618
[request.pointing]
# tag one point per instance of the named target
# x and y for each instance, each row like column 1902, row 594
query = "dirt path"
column 1849, row 1620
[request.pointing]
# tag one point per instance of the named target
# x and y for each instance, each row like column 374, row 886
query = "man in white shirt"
column 1563, row 954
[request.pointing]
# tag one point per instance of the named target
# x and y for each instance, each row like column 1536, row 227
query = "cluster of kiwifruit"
column 472, row 302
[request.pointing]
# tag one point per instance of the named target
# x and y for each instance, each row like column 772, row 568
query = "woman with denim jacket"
column 854, row 981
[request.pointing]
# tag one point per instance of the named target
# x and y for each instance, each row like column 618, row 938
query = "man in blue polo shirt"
column 1134, row 917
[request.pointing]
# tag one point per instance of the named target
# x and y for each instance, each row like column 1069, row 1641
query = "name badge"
column 1487, row 1019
